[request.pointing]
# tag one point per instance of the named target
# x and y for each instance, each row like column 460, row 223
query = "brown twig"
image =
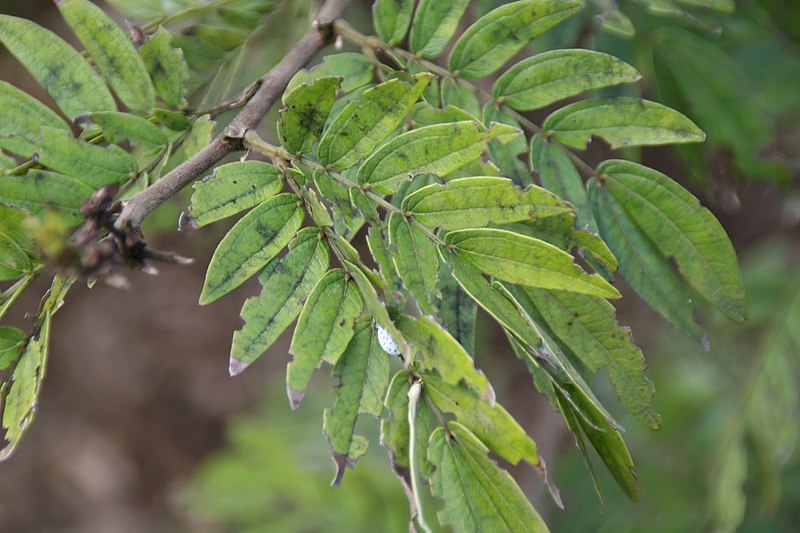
column 272, row 85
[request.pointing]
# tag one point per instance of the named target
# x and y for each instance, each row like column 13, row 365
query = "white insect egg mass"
column 386, row 341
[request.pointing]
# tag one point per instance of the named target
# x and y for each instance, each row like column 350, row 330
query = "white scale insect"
column 386, row 341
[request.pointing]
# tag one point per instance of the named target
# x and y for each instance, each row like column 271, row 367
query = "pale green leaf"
column 354, row 69
column 118, row 127
column 323, row 330
column 437, row 149
column 621, row 122
column 286, row 283
column 363, row 124
column 391, row 19
column 558, row 174
column 171, row 119
column 439, row 351
column 39, row 190
column 416, row 261
column 525, row 260
column 479, row 202
column 64, row 74
column 434, row 24
column 424, row 114
column 363, row 372
column 500, row 34
column 112, row 51
column 88, row 163
column 257, row 238
column 395, row 436
column 551, row 76
column 23, row 116
column 681, row 229
column 16, row 247
column 11, row 340
column 641, row 263
column 585, row 327
column 200, row 137
column 232, row 188
column 166, row 66
column 477, row 494
column 307, row 108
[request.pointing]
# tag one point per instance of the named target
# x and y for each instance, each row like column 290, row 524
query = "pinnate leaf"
column 64, row 74
column 364, row 123
column 551, row 76
column 434, row 24
column 323, row 330
column 363, row 372
column 525, row 260
column 437, row 149
column 477, row 494
column 232, row 188
column 286, row 283
column 500, row 34
column 621, row 122
column 250, row 244
column 680, row 228
column 392, row 18
column 307, row 109
column 479, row 202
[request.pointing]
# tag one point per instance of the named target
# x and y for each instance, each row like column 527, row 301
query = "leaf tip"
column 342, row 462
column 187, row 222
column 236, row 366
column 541, row 468
column 295, row 397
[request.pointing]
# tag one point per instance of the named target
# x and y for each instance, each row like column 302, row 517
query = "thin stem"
column 413, row 403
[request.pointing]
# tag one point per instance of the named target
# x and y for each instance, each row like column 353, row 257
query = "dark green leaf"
column 391, row 18
column 250, row 244
column 64, row 74
column 477, row 494
column 551, row 76
column 499, row 35
column 323, row 330
column 460, row 96
column 112, row 51
column 621, row 122
column 307, row 109
column 233, row 188
column 286, row 283
column 525, row 260
column 434, row 24
column 363, row 372
column 479, row 202
column 506, row 155
column 458, row 310
column 438, row 149
column 416, row 260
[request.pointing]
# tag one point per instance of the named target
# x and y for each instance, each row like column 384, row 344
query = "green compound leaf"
column 11, row 341
column 257, row 238
column 363, row 372
column 307, row 109
column 232, row 188
column 416, row 261
column 354, row 69
column 585, row 327
column 118, row 127
column 112, row 51
column 640, row 262
column 365, row 123
column 434, row 24
column 437, row 149
column 519, row 259
column 499, row 35
column 23, row 116
column 548, row 77
column 286, row 283
column 558, row 174
column 395, row 428
column 64, row 74
column 88, row 163
column 621, row 122
column 441, row 352
column 323, row 330
column 681, row 229
column 391, row 19
column 167, row 67
column 39, row 190
column 477, row 494
column 16, row 247
column 479, row 202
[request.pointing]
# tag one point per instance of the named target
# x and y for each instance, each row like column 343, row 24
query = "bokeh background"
column 140, row 428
